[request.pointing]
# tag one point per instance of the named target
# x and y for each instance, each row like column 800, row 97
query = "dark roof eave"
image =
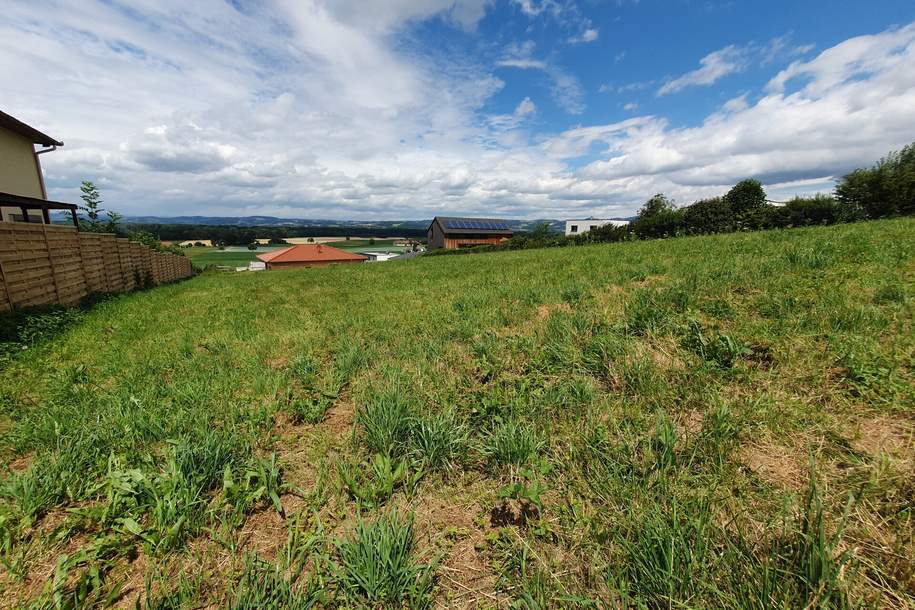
column 34, row 203
column 27, row 131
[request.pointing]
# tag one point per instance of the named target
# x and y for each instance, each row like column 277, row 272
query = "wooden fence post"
column 6, row 290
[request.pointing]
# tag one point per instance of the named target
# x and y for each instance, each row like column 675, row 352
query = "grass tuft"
column 377, row 565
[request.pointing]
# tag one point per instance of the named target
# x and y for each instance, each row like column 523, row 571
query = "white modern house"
column 378, row 257
column 577, row 227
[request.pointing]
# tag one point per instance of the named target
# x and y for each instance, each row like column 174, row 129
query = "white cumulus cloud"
column 311, row 109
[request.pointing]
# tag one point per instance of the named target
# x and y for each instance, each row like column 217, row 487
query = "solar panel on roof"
column 473, row 224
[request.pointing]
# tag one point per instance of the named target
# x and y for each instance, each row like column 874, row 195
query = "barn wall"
column 436, row 239
column 452, row 244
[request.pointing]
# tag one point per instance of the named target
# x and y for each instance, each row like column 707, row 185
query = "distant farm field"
column 703, row 422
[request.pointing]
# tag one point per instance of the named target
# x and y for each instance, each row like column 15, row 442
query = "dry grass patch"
column 888, row 435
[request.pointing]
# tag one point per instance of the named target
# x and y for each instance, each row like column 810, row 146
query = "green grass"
column 707, row 422
column 204, row 257
column 363, row 245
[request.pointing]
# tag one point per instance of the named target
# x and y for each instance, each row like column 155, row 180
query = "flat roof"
column 597, row 220
column 27, row 131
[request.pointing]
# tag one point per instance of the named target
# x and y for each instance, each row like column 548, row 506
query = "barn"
column 308, row 255
column 450, row 233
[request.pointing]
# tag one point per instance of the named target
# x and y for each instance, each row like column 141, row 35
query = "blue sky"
column 411, row 108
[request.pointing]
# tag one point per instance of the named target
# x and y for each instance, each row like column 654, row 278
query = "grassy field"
column 707, row 422
column 204, row 257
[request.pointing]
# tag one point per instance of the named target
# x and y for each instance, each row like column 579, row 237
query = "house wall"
column 583, row 226
column 20, row 173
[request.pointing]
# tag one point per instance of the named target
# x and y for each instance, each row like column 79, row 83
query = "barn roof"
column 490, row 226
column 309, row 253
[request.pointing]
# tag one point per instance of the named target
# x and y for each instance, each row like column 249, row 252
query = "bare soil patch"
column 886, row 435
column 775, row 464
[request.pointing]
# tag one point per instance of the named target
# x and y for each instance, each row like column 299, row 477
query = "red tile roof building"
column 308, row 255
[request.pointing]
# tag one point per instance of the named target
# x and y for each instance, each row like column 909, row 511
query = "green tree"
column 92, row 207
column 659, row 217
column 746, row 197
column 658, row 204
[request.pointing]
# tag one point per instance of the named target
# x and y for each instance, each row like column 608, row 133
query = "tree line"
column 233, row 235
column 883, row 190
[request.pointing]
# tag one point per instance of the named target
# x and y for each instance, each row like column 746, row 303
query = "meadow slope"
column 704, row 422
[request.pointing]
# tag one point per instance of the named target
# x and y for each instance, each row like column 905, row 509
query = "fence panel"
column 66, row 264
column 112, row 262
column 49, row 264
column 90, row 245
column 126, row 261
column 26, row 265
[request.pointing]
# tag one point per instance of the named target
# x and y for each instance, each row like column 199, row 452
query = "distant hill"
column 273, row 221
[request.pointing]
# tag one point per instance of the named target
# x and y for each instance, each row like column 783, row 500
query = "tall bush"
column 659, row 217
column 708, row 216
column 885, row 189
column 816, row 210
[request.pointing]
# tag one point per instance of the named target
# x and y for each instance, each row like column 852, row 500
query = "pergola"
column 31, row 203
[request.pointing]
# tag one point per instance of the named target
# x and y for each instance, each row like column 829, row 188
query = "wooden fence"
column 49, row 264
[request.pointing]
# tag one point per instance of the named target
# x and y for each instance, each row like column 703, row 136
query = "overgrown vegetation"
column 717, row 421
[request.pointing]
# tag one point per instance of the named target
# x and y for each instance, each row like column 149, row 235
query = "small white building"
column 378, row 257
column 577, row 227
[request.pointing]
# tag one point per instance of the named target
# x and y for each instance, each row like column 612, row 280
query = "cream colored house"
column 22, row 192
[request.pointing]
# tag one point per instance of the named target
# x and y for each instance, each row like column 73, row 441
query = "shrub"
column 667, row 223
column 886, row 189
column 606, row 234
column 708, row 216
column 816, row 210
